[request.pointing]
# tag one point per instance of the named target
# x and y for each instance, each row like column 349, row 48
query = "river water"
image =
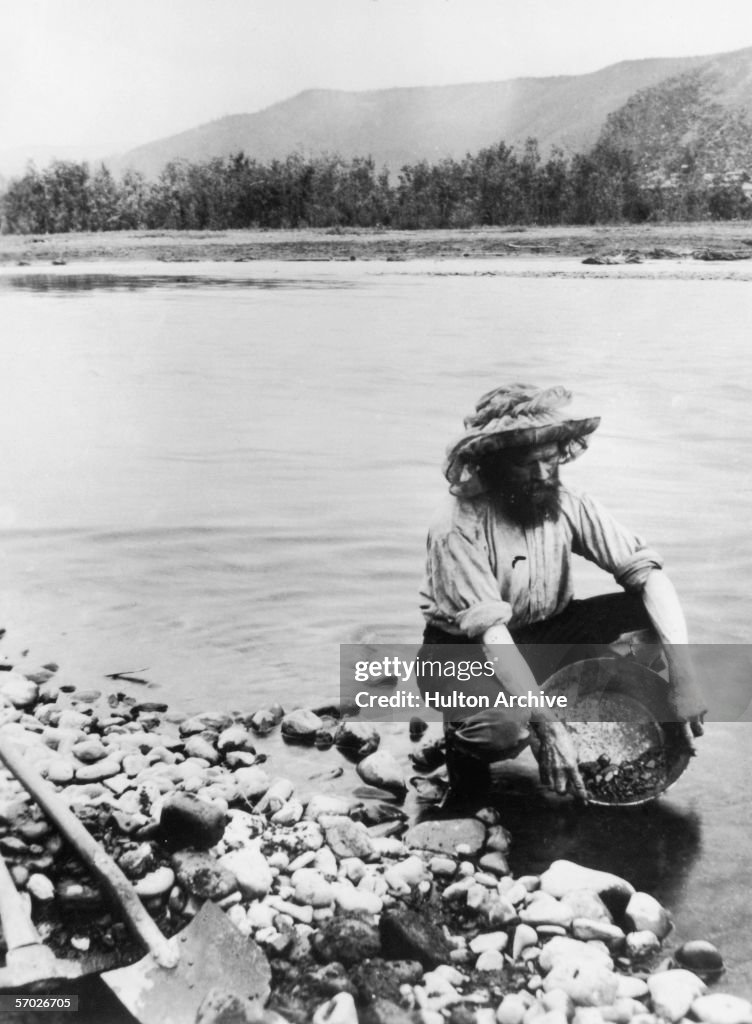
column 215, row 474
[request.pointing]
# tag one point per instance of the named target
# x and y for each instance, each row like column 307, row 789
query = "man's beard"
column 528, row 504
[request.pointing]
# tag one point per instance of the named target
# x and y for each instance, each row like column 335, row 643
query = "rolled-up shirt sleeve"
column 598, row 537
column 463, row 585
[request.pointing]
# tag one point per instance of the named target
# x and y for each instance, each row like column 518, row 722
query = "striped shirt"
column 483, row 570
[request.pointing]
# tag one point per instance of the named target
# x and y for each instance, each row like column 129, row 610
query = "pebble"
column 199, row 746
column 301, row 725
column 720, row 1008
column 352, row 900
column 443, row 866
column 324, row 804
column 137, row 861
column 99, row 770
column 235, row 738
column 701, row 957
column 586, row 983
column 250, row 869
column 349, row 839
column 251, row 783
column 20, row 691
column 584, row 928
column 587, row 903
column 90, row 750
column 673, row 992
column 524, row 937
column 564, row 876
column 644, row 913
column 202, row 876
column 289, row 813
column 383, row 770
column 490, row 960
column 312, row 888
column 495, row 862
column 338, row 1010
column 263, row 721
column 40, row 887
column 358, row 737
column 642, row 944
column 546, row 910
column 155, row 883
column 513, row 1007
column 486, row 941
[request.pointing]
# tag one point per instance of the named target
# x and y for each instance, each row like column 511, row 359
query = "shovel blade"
column 213, row 954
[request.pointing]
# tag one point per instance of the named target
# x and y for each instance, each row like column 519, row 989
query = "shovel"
column 169, row 984
column 27, row 960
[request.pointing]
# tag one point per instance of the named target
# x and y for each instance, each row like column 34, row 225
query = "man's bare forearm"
column 512, row 671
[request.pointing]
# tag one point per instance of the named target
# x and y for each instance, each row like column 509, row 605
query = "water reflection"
column 67, row 283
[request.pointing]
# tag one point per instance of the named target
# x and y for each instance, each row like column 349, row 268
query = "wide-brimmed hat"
column 515, row 416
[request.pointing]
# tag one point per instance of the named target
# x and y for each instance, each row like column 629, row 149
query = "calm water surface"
column 215, row 479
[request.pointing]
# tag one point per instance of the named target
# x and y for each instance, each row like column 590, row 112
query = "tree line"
column 497, row 186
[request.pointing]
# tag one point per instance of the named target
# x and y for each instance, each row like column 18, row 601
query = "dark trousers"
column 583, row 630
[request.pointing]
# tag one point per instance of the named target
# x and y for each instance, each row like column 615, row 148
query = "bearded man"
column 499, row 576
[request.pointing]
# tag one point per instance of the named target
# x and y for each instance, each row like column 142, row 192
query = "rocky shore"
column 363, row 916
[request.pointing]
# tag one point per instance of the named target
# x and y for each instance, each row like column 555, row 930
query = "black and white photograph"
column 375, row 546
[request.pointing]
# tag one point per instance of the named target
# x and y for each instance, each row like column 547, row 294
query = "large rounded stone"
column 563, row 876
column 19, row 690
column 644, row 913
column 720, row 1008
column 701, row 957
column 301, row 726
column 383, row 770
column 186, row 820
column 673, row 993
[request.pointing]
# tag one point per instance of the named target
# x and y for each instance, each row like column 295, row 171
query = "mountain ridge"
column 405, row 124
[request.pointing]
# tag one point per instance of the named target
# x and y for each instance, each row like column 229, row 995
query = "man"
column 499, row 575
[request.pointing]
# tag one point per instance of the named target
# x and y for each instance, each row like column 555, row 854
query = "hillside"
column 399, row 126
column 697, row 121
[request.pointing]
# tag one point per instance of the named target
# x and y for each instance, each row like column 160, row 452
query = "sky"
column 100, row 76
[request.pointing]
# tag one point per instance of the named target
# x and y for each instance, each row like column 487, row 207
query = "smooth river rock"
column 564, row 875
column 383, row 770
column 301, row 725
column 644, row 913
column 719, row 1008
column 673, row 992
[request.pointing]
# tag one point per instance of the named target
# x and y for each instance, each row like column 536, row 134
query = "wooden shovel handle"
column 100, row 862
column 18, row 929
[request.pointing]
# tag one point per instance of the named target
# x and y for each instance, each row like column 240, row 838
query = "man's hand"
column 557, row 759
column 687, row 699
